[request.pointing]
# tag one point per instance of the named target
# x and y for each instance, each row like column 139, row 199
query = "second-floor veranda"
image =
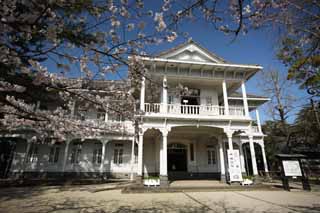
column 197, row 90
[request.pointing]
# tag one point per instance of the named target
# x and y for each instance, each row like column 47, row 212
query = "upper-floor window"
column 209, row 100
column 76, row 153
column 33, row 153
column 54, row 154
column 97, row 155
column 211, row 154
column 101, row 114
column 118, row 154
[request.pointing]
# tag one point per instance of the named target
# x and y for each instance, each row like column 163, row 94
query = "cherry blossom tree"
column 45, row 43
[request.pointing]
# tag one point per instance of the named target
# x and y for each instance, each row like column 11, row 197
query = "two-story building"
column 193, row 108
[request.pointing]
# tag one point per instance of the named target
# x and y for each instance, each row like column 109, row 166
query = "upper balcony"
column 192, row 110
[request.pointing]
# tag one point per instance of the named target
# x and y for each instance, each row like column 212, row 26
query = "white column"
column 243, row 167
column 103, row 154
column 65, row 158
column 230, row 144
column 140, row 155
column 163, row 163
column 221, row 154
column 225, row 98
column 253, row 156
column 165, row 94
column 132, row 158
column 245, row 101
column 264, row 158
column 258, row 120
column 142, row 93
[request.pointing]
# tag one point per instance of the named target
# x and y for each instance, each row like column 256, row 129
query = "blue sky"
column 257, row 47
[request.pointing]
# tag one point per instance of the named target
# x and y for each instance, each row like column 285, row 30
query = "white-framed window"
column 170, row 99
column 97, row 155
column 135, row 153
column 118, row 154
column 211, row 154
column 76, row 153
column 54, row 154
column 33, row 153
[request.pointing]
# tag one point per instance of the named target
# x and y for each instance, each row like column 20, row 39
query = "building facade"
column 193, row 108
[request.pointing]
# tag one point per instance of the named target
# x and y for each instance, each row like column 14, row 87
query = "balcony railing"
column 179, row 109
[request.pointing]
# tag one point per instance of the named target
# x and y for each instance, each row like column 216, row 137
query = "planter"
column 151, row 182
column 246, row 182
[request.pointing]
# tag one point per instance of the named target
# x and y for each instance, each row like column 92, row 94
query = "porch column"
column 142, row 93
column 222, row 164
column 253, row 156
column 258, row 120
column 140, row 155
column 65, row 158
column 163, row 162
column 165, row 94
column 225, row 98
column 132, row 158
column 245, row 101
column 265, row 163
column 230, row 144
column 103, row 154
column 243, row 167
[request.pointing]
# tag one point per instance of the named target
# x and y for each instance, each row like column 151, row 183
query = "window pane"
column 115, row 156
column 120, row 156
column 56, row 154
column 51, row 154
column 191, row 152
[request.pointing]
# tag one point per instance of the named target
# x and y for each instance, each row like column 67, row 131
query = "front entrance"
column 177, row 158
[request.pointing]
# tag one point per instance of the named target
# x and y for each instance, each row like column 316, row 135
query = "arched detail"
column 192, row 125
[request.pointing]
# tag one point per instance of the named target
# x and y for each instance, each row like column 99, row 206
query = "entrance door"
column 177, row 158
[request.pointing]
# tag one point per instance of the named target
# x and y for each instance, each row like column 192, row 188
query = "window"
column 211, row 155
column 118, row 154
column 97, row 156
column 135, row 153
column 54, row 154
column 33, row 154
column 171, row 99
column 76, row 153
column 191, row 152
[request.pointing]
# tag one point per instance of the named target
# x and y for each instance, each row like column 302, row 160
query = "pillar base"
column 164, row 181
column 257, row 179
column 223, row 178
column 139, row 180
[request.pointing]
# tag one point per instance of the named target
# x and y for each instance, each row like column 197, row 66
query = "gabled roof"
column 191, row 47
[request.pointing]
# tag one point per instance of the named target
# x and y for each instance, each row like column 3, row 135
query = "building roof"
column 190, row 41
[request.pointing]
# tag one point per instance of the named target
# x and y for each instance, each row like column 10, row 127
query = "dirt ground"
column 108, row 198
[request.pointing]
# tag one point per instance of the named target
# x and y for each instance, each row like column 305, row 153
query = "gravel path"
column 88, row 199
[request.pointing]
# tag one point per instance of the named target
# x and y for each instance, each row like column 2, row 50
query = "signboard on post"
column 291, row 168
column 234, row 165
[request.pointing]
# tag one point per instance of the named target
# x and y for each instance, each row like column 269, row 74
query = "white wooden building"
column 202, row 111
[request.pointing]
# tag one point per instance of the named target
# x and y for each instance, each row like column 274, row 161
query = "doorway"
column 177, row 158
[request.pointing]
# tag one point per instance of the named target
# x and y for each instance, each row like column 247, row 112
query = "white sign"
column 234, row 165
column 291, row 168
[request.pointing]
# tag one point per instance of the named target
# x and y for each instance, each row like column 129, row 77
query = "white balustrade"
column 205, row 110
